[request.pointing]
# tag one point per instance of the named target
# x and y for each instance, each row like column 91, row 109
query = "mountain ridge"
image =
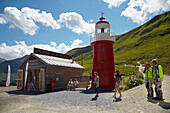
column 2, row 60
column 13, row 63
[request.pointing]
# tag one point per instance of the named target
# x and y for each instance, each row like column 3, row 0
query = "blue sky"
column 61, row 25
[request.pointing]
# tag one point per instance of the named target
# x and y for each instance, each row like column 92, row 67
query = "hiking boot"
column 97, row 96
column 155, row 98
column 160, row 98
column 148, row 95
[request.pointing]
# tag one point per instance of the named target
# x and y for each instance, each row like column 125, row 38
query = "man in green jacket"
column 149, row 76
column 158, row 80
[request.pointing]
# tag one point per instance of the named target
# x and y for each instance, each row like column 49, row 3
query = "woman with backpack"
column 149, row 76
column 118, row 78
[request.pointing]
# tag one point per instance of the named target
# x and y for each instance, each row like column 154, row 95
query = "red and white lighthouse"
column 103, row 59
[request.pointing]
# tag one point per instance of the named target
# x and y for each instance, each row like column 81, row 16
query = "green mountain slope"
column 149, row 41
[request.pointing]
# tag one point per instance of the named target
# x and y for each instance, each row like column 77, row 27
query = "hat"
column 154, row 60
column 95, row 73
column 117, row 70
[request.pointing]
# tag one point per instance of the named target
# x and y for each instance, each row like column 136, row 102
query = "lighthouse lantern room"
column 103, row 59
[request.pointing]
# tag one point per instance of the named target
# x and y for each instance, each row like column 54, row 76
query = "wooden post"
column 37, row 78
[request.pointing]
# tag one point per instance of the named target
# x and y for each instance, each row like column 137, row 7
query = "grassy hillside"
column 149, row 41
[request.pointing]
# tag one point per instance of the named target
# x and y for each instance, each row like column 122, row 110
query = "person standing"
column 149, row 76
column 118, row 78
column 96, row 83
column 158, row 80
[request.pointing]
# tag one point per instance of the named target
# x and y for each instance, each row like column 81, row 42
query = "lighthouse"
column 103, row 59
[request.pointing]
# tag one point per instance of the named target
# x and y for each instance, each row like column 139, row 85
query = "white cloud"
column 2, row 20
column 20, row 48
column 18, row 19
column 26, row 19
column 45, row 18
column 141, row 10
column 63, row 48
column 91, row 20
column 75, row 22
column 12, row 26
column 53, row 43
column 76, row 43
column 114, row 3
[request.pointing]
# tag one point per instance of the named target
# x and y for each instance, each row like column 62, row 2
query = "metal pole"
column 82, row 56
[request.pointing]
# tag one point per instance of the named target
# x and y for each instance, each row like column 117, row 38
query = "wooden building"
column 46, row 67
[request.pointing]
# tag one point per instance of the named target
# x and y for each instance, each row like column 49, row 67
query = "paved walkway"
column 133, row 101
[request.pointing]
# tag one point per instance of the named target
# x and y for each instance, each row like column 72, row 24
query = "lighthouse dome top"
column 102, row 20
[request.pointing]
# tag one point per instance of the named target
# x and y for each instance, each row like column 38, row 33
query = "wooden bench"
column 83, row 85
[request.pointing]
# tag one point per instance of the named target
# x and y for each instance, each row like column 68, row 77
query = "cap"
column 117, row 70
column 154, row 60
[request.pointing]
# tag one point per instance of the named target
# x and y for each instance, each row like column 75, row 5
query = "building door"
column 20, row 79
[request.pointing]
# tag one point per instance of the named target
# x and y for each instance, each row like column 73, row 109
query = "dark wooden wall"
column 63, row 74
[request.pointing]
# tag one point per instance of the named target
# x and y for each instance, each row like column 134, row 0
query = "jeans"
column 148, row 84
column 95, row 88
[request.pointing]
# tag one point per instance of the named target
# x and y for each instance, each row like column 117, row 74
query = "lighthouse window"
column 103, row 60
column 102, row 49
column 103, row 74
column 102, row 30
column 98, row 31
column 106, row 30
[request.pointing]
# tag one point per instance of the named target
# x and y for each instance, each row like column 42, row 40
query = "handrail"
column 102, row 36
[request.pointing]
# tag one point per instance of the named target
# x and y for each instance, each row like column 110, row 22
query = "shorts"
column 117, row 83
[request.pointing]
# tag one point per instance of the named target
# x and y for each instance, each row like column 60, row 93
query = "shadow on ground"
column 87, row 92
column 23, row 92
column 164, row 105
column 93, row 99
column 91, row 91
column 117, row 100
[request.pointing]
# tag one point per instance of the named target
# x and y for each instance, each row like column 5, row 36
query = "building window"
column 102, row 49
column 103, row 74
column 103, row 60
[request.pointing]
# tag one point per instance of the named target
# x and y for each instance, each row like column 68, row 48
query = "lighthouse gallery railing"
column 102, row 36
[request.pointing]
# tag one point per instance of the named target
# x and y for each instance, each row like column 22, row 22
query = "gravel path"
column 133, row 101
